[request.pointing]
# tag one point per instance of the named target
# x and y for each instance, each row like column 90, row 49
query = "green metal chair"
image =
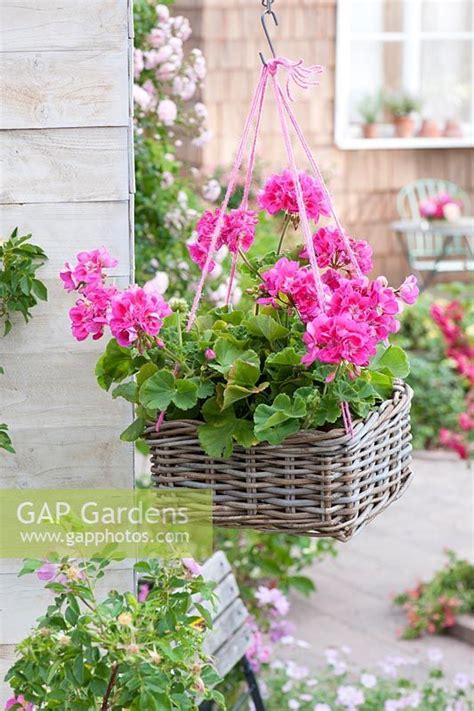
column 439, row 247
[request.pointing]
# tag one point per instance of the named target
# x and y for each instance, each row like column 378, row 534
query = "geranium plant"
column 443, row 206
column 20, row 290
column 294, row 363
column 121, row 651
column 433, row 606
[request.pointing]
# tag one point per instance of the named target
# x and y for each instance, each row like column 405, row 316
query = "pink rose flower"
column 409, row 290
column 143, row 592
column 141, row 97
column 279, row 194
column 167, row 112
column 274, row 598
column 47, row 572
column 134, row 313
column 20, row 702
column 192, row 566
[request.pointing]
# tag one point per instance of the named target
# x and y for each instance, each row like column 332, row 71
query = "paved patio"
column 352, row 605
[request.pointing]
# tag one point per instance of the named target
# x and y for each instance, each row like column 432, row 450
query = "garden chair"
column 433, row 248
column 231, row 636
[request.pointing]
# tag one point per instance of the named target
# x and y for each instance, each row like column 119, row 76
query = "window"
column 391, row 52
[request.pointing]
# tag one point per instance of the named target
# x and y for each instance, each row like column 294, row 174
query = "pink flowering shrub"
column 453, row 321
column 440, row 207
column 313, row 354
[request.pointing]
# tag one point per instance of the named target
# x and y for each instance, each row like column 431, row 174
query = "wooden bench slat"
column 225, row 626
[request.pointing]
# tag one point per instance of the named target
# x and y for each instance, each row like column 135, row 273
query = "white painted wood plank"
column 63, row 229
column 73, row 456
column 233, row 651
column 31, row 600
column 64, row 89
column 225, row 626
column 64, row 165
column 216, row 568
column 28, row 25
column 49, row 331
column 227, row 591
column 7, row 657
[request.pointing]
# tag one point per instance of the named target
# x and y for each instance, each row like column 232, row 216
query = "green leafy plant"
column 402, row 104
column 121, row 651
column 432, row 606
column 370, row 107
column 20, row 291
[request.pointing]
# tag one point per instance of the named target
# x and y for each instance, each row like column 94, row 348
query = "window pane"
column 442, row 16
column 446, row 79
column 375, row 66
column 377, row 15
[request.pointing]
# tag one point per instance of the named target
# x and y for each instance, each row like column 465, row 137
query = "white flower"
column 368, row 680
column 163, row 13
column 295, row 671
column 212, row 190
column 167, row 111
column 202, row 139
column 350, row 696
column 167, row 179
column 293, row 704
column 141, row 97
column 435, row 655
column 322, row 707
column 306, row 697
column 157, row 285
column 287, row 687
column 461, row 681
column 200, row 110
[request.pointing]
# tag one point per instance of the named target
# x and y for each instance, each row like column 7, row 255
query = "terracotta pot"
column 429, row 129
column 452, row 129
column 370, row 130
column 404, row 126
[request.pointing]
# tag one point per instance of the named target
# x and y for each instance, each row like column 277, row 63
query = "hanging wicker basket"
column 315, row 483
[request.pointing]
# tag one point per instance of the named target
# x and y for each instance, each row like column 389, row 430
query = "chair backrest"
column 411, row 195
column 230, row 636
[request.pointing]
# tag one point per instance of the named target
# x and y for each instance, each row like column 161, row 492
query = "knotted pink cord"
column 248, row 180
column 230, row 190
column 302, row 76
column 319, row 176
column 299, row 194
column 347, row 419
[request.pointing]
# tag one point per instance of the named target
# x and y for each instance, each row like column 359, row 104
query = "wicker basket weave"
column 315, row 483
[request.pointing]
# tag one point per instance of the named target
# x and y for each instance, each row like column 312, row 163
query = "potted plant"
column 429, row 129
column 369, row 109
column 401, row 107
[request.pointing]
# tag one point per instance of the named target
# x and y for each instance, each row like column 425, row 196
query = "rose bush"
column 121, row 651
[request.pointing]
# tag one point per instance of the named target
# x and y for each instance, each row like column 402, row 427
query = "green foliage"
column 254, row 390
column 20, row 290
column 402, row 104
column 116, row 652
column 432, row 606
column 370, row 107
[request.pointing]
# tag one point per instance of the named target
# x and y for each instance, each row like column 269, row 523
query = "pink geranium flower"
column 237, row 232
column 409, row 290
column 279, row 194
column 331, row 251
column 332, row 339
column 89, row 316
column 134, row 313
column 88, row 269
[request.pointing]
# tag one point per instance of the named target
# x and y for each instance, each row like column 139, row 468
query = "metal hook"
column 268, row 11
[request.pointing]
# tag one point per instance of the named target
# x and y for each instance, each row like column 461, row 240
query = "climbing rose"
column 350, row 697
column 134, row 312
column 331, row 251
column 192, row 566
column 409, row 290
column 47, row 572
column 88, row 270
column 279, row 194
column 167, row 112
column 273, row 597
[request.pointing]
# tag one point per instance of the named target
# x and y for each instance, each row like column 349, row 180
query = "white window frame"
column 412, row 38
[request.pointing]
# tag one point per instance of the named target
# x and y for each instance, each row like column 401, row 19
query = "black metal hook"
column 268, row 11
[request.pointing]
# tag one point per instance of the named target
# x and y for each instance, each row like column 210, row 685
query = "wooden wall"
column 364, row 183
column 66, row 152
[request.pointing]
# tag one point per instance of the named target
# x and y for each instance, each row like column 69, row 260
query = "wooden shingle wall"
column 67, row 177
column 364, row 183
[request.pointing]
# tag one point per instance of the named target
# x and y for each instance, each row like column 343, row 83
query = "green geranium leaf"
column 329, row 410
column 382, row 384
column 145, row 372
column 273, row 423
column 129, row 391
column 244, row 433
column 186, row 395
column 157, row 392
column 285, row 358
column 134, row 431
column 233, row 393
column 393, row 360
column 227, row 353
column 266, row 326
column 114, row 365
column 245, row 371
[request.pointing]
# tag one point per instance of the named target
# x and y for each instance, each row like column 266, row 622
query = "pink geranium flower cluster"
column 450, row 320
column 130, row 314
column 435, row 208
column 293, row 282
column 331, row 251
column 279, row 194
column 238, row 232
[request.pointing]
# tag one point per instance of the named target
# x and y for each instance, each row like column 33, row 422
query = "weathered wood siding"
column 66, row 157
column 364, row 183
